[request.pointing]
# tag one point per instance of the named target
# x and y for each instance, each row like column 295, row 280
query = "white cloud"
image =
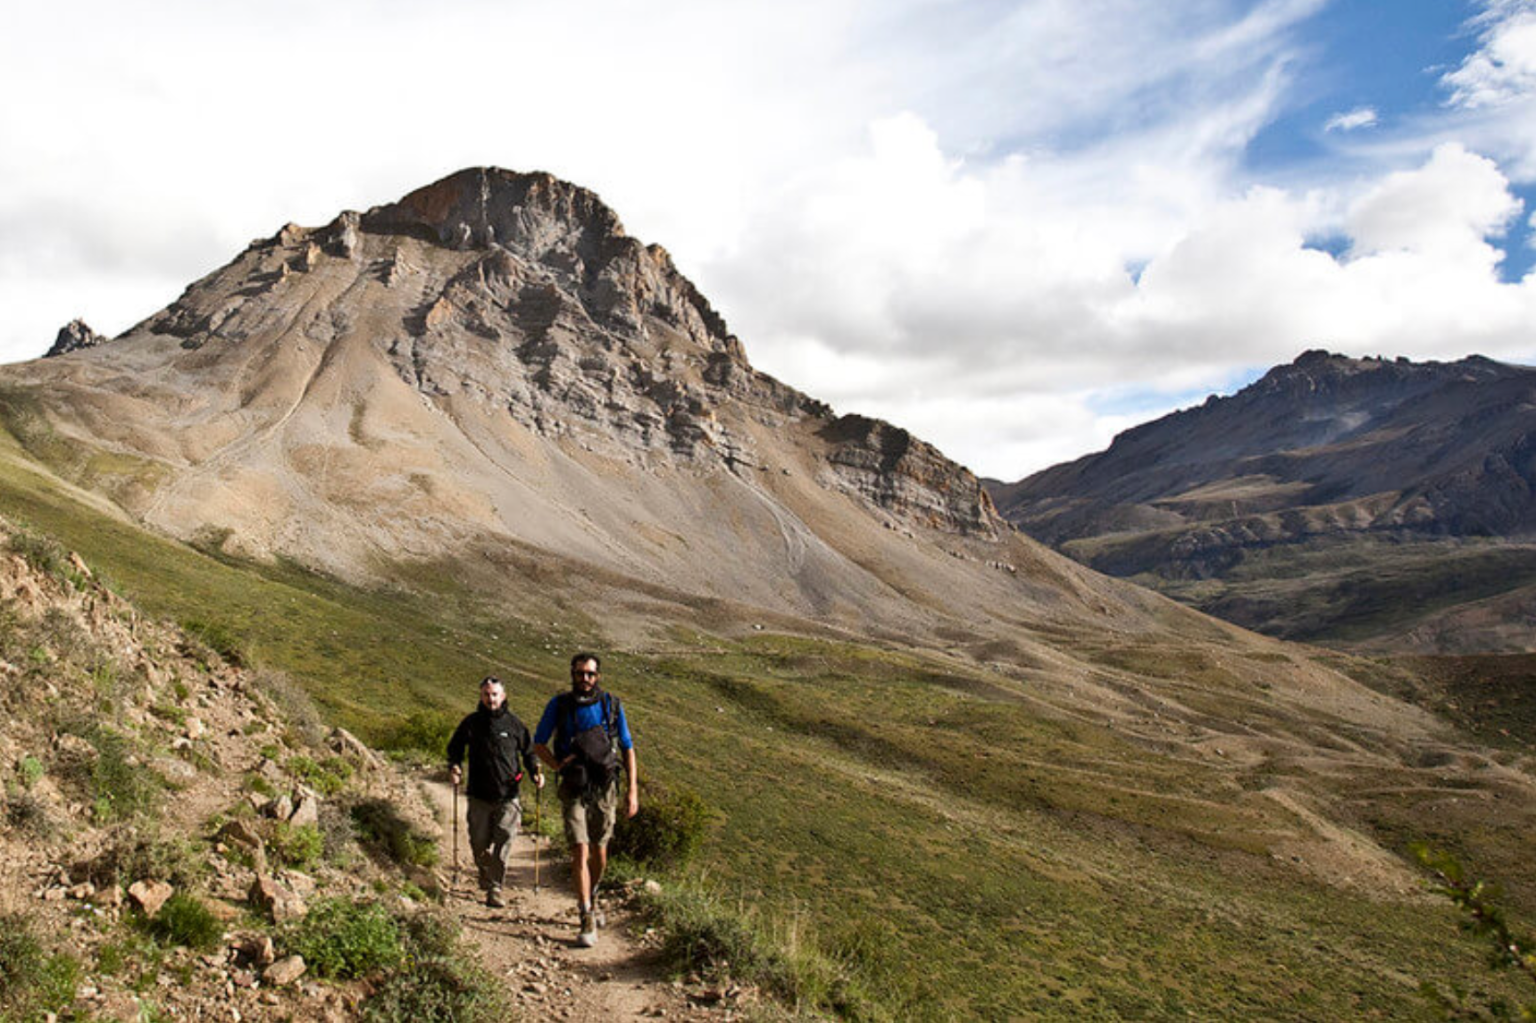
column 1503, row 69
column 1360, row 117
column 922, row 209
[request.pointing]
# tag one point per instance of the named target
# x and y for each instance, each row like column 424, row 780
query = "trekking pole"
column 453, row 826
column 538, row 830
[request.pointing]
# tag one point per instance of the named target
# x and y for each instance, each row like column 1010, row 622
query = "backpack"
column 597, row 754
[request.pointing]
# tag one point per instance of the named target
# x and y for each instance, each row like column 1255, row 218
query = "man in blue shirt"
column 589, row 732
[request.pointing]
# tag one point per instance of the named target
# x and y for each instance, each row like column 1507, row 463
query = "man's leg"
column 575, row 813
column 581, row 872
column 503, row 829
column 602, row 813
column 478, row 814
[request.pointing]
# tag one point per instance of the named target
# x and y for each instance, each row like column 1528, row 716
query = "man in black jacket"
column 500, row 752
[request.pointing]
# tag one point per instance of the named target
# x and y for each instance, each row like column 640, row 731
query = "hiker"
column 589, row 729
column 500, row 751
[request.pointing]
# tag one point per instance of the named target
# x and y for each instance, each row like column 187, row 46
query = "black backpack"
column 596, row 751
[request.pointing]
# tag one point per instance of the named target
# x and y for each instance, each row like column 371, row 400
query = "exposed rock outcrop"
column 72, row 337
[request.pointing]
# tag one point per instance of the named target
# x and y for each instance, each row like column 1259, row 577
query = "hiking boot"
column 587, row 936
column 494, row 899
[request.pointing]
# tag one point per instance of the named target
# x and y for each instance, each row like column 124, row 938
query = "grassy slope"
column 967, row 848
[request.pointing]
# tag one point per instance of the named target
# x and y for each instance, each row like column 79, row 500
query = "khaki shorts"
column 589, row 819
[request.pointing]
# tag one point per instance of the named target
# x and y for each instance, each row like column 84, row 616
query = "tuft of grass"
column 704, row 936
column 118, row 785
column 343, row 939
column 184, row 920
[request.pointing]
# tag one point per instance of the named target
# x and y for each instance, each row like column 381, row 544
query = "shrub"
column 425, row 732
column 296, row 846
column 387, row 835
column 338, row 838
column 440, row 982
column 343, row 939
column 326, row 777
column 33, row 981
column 184, row 920
column 666, row 832
column 30, row 770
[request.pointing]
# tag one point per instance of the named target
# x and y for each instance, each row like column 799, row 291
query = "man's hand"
column 632, row 804
column 453, row 774
column 538, row 780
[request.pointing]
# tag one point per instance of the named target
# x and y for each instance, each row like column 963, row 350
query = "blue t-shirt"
column 588, row 716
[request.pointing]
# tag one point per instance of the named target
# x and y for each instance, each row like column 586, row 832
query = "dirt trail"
column 532, row 942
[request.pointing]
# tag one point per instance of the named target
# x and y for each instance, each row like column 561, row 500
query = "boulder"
column 149, row 896
column 277, row 902
column 306, row 811
column 285, row 971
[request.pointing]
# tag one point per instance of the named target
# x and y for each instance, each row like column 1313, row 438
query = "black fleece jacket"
column 500, row 752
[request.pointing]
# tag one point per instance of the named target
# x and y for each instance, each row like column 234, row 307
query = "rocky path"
column 532, row 942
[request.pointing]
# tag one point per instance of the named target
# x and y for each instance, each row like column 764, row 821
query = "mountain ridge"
column 1324, row 450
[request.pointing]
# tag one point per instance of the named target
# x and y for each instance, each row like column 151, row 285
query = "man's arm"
column 456, row 751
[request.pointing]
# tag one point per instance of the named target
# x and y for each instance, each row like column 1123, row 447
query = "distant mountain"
column 491, row 370
column 1335, row 498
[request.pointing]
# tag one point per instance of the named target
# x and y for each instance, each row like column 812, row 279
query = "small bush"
column 298, row 847
column 386, row 834
column 184, row 920
column 338, row 838
column 30, row 770
column 441, row 982
column 424, row 732
column 666, row 832
column 342, row 939
column 327, row 777
column 33, row 981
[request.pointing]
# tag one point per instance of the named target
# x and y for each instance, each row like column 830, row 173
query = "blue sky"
column 1011, row 227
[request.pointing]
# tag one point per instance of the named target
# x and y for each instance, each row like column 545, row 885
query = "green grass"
column 920, row 837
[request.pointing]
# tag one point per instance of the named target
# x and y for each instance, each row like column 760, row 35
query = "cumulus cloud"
column 1360, row 117
column 967, row 302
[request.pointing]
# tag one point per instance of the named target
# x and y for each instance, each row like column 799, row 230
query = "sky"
column 1014, row 228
